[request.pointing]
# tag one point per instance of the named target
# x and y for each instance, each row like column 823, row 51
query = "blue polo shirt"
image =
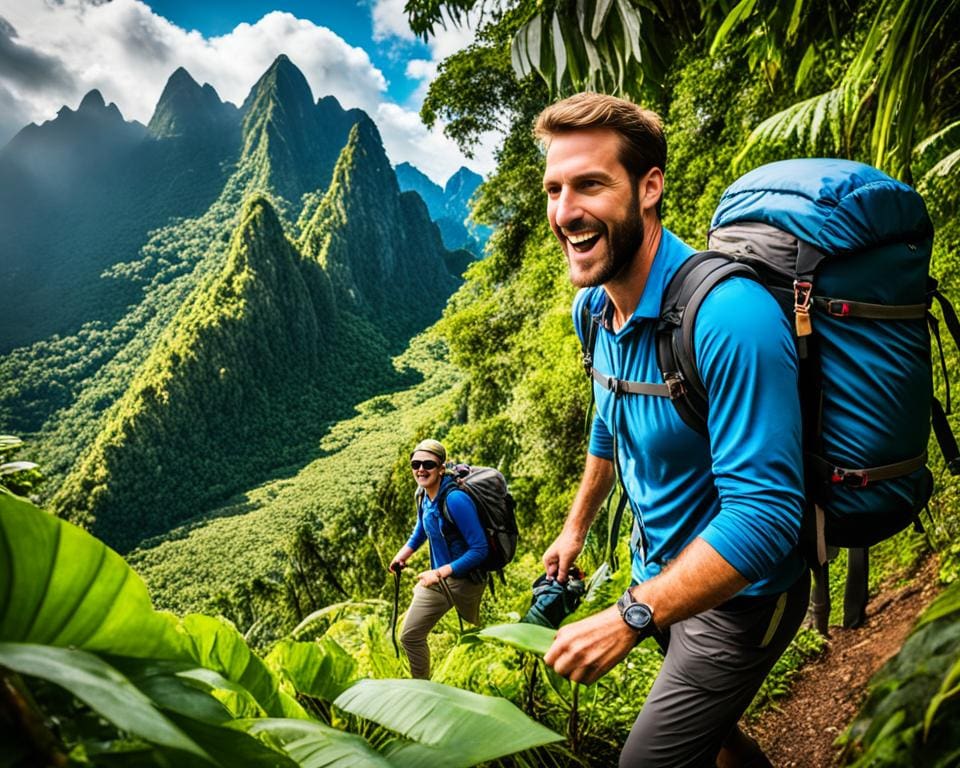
column 741, row 490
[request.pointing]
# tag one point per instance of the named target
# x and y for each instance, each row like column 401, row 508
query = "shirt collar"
column 671, row 253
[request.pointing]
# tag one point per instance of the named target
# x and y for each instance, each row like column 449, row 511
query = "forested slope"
column 260, row 322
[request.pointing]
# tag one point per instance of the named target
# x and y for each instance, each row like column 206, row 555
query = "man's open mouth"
column 582, row 241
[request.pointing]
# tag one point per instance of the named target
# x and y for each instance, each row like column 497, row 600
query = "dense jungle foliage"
column 297, row 554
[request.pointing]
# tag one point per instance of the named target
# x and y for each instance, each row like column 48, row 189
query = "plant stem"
column 573, row 735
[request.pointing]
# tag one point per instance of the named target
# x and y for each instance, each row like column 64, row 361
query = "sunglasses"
column 427, row 464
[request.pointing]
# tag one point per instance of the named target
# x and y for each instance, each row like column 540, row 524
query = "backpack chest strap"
column 671, row 388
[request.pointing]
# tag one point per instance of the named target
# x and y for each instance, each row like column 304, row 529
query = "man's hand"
column 399, row 561
column 560, row 556
column 586, row 650
column 429, row 578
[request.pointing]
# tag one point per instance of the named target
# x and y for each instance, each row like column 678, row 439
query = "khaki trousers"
column 428, row 607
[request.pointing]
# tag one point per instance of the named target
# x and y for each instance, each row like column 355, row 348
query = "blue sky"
column 52, row 52
column 352, row 21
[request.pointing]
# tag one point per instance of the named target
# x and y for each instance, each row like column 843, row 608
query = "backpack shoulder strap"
column 442, row 500
column 589, row 307
column 676, row 354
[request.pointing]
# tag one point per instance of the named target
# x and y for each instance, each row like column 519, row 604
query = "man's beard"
column 624, row 239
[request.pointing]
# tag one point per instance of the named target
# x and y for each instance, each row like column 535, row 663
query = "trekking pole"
column 396, row 609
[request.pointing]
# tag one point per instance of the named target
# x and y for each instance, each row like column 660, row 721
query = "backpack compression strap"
column 941, row 428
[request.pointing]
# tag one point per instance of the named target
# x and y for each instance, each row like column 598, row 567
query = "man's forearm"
column 595, row 486
column 597, row 481
column 697, row 580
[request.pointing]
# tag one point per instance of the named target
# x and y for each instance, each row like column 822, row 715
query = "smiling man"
column 717, row 577
column 447, row 518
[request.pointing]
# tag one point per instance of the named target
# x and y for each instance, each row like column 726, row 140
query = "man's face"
column 592, row 205
column 426, row 469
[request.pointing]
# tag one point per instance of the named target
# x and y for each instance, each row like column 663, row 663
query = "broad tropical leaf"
column 217, row 645
column 102, row 688
column 186, row 697
column 527, row 637
column 237, row 699
column 170, row 685
column 233, row 747
column 465, row 727
column 314, row 745
column 948, row 690
column 945, row 604
column 61, row 586
column 897, row 86
column 321, row 669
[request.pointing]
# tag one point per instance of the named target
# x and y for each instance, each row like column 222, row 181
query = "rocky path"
column 829, row 691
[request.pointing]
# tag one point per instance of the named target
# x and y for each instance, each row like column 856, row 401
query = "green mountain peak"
column 186, row 108
column 380, row 248
column 238, row 359
column 289, row 143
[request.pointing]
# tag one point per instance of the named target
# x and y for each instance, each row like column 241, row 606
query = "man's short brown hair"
column 642, row 143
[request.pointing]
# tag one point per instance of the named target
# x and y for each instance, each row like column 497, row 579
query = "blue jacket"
column 462, row 545
column 741, row 490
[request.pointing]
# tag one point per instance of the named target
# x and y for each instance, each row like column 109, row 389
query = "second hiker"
column 458, row 546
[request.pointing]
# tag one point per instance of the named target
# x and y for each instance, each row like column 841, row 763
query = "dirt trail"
column 829, row 692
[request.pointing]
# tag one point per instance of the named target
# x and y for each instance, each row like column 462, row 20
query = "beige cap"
column 432, row 446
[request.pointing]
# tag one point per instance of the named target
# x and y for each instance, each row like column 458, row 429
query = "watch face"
column 637, row 616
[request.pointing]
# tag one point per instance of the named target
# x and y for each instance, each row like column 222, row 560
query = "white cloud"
column 127, row 51
column 390, row 21
column 407, row 139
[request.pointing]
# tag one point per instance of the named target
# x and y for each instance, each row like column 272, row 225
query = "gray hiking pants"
column 428, row 606
column 714, row 664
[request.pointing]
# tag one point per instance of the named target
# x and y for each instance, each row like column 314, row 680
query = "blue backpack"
column 845, row 250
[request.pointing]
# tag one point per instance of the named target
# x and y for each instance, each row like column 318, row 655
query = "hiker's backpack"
column 845, row 250
column 487, row 487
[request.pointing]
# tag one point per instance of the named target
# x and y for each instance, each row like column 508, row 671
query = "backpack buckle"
column 675, row 386
column 849, row 478
column 614, row 385
column 838, row 308
column 588, row 363
column 802, row 295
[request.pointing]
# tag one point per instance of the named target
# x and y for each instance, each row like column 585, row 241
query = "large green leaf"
column 413, row 754
column 218, row 645
column 185, row 697
column 61, row 586
column 465, row 727
column 946, row 603
column 102, row 688
column 169, row 685
column 531, row 638
column 314, row 745
column 322, row 669
column 235, row 748
column 237, row 699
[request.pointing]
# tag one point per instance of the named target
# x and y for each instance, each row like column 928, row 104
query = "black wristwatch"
column 636, row 615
